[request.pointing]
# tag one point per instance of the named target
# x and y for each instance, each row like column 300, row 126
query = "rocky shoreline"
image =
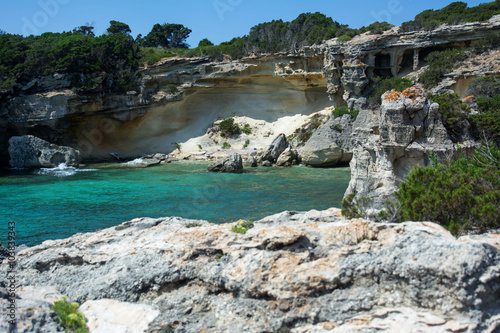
column 294, row 271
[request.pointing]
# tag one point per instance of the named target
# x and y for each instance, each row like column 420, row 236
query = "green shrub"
column 342, row 110
column 200, row 147
column 242, row 227
column 453, row 113
column 488, row 42
column 177, row 145
column 344, row 38
column 228, row 127
column 488, row 86
column 350, row 208
column 247, row 142
column 376, row 28
column 246, row 129
column 226, row 145
column 454, row 13
column 488, row 120
column 382, row 85
column 68, row 316
column 441, row 63
column 462, row 195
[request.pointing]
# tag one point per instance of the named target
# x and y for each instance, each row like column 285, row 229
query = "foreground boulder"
column 232, row 163
column 31, row 152
column 298, row 272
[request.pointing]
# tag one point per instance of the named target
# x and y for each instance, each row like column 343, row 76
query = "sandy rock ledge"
column 297, row 272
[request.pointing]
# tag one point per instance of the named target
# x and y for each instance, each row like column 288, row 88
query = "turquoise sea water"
column 56, row 203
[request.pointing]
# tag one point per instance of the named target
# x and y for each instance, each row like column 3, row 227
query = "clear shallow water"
column 56, row 203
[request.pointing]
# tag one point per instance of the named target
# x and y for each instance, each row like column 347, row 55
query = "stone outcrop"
column 304, row 272
column 232, row 164
column 329, row 145
column 409, row 129
column 31, row 152
column 278, row 146
column 288, row 158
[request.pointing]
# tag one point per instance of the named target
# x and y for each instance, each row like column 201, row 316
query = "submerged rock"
column 303, row 272
column 31, row 152
column 232, row 163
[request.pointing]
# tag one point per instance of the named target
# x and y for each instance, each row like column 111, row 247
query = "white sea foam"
column 137, row 161
column 62, row 170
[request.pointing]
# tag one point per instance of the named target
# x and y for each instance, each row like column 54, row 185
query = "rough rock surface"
column 329, row 145
column 107, row 315
column 288, row 158
column 31, row 152
column 278, row 146
column 409, row 129
column 303, row 272
column 232, row 164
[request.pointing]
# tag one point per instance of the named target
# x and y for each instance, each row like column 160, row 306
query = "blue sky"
column 217, row 20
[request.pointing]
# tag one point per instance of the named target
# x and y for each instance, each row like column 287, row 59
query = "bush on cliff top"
column 461, row 195
column 454, row 13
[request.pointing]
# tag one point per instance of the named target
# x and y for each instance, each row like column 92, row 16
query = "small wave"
column 137, row 161
column 62, row 170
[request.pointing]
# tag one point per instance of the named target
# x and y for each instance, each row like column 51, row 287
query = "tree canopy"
column 168, row 35
column 118, row 28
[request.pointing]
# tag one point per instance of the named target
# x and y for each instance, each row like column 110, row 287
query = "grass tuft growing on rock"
column 68, row 316
column 242, row 227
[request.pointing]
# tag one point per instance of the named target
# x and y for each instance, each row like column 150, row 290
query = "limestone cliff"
column 180, row 98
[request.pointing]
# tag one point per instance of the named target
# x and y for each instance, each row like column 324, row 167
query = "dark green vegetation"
column 461, row 195
column 108, row 62
column 454, row 13
column 382, row 85
column 307, row 29
column 228, row 127
column 487, row 92
column 166, row 35
column 441, row 63
column 68, row 316
column 455, row 113
column 342, row 110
